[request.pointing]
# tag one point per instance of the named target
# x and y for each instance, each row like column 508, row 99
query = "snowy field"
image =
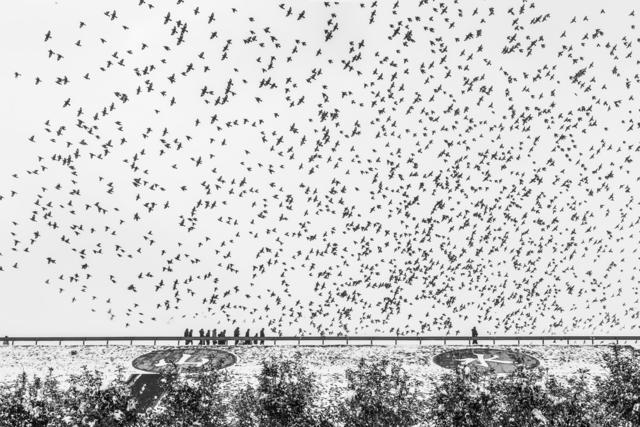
column 328, row 363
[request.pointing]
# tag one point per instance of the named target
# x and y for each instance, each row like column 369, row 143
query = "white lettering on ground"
column 184, row 360
column 480, row 360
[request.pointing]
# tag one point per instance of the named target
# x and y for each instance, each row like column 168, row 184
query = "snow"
column 328, row 363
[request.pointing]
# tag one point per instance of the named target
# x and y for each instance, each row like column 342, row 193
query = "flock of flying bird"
column 339, row 167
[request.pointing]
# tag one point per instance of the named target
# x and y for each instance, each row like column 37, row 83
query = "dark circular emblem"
column 494, row 360
column 184, row 360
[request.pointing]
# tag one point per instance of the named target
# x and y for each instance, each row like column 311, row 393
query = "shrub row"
column 378, row 394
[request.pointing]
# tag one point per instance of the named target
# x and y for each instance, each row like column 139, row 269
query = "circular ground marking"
column 485, row 360
column 184, row 360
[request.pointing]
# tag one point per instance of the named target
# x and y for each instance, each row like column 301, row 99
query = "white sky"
column 593, row 290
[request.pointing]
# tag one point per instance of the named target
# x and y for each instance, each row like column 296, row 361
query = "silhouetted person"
column 236, row 333
column 186, row 336
column 201, row 334
column 214, row 334
column 247, row 335
column 474, row 334
column 208, row 335
column 255, row 341
column 262, row 336
column 222, row 334
column 190, row 336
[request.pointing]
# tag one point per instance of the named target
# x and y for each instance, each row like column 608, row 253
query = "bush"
column 244, row 408
column 523, row 398
column 380, row 394
column 525, row 401
column 23, row 404
column 620, row 390
column 284, row 396
column 88, row 402
column 575, row 403
column 190, row 400
column 85, row 402
column 463, row 400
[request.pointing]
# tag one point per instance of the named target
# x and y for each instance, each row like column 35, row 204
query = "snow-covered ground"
column 327, row 362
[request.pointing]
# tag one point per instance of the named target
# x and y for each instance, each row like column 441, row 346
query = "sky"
column 415, row 167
